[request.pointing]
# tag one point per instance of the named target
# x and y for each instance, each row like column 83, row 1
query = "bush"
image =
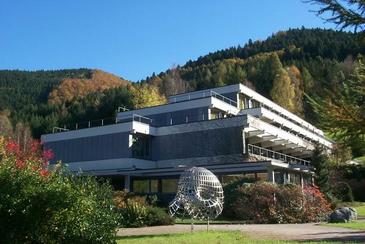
column 40, row 206
column 158, row 216
column 136, row 211
column 270, row 203
column 133, row 214
column 343, row 192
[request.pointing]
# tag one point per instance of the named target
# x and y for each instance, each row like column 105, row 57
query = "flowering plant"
column 42, row 206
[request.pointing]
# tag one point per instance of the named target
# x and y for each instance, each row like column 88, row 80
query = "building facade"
column 230, row 130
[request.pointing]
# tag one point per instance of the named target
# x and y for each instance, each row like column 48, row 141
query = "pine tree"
column 320, row 163
column 341, row 112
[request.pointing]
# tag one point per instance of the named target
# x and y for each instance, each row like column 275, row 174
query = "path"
column 265, row 231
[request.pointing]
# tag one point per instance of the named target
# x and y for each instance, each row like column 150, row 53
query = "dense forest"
column 288, row 67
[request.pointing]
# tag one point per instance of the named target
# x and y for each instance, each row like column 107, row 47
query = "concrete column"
column 127, row 183
column 270, row 175
column 301, row 180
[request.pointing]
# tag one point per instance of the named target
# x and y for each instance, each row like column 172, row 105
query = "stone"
column 343, row 215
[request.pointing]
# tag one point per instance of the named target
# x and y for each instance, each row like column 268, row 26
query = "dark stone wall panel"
column 198, row 144
column 91, row 148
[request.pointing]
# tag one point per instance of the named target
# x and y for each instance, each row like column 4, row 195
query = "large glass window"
column 154, row 186
column 141, row 146
column 169, row 185
column 141, row 186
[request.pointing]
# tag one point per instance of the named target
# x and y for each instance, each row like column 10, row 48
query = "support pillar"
column 301, row 180
column 270, row 175
column 127, row 183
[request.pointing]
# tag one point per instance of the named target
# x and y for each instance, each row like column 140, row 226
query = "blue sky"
column 132, row 39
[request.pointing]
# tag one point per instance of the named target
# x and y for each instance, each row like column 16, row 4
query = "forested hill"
column 41, row 99
column 284, row 68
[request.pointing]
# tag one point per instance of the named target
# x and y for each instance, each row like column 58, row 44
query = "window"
column 141, row 186
column 169, row 185
column 154, row 186
column 141, row 146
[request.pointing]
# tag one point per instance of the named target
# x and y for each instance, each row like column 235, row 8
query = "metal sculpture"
column 199, row 195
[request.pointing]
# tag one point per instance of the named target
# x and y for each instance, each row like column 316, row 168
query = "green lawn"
column 204, row 222
column 361, row 210
column 359, row 206
column 202, row 237
column 360, row 160
column 356, row 225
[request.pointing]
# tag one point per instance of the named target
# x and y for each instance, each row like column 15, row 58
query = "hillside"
column 71, row 88
column 310, row 61
column 284, row 67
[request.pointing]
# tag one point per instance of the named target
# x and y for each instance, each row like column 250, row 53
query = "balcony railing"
column 203, row 94
column 101, row 122
column 252, row 149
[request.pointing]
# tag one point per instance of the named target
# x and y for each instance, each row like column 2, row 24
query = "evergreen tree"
column 341, row 112
column 320, row 163
column 349, row 13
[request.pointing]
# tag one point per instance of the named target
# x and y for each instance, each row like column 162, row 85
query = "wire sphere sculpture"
column 199, row 195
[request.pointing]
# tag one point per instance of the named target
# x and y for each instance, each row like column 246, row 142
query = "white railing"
column 252, row 149
column 102, row 122
column 202, row 94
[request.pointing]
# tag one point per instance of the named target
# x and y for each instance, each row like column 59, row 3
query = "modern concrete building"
column 229, row 130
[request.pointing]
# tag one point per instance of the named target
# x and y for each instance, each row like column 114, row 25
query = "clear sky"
column 132, row 39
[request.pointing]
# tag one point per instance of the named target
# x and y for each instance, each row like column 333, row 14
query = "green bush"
column 271, row 203
column 137, row 211
column 133, row 214
column 343, row 192
column 39, row 206
column 158, row 216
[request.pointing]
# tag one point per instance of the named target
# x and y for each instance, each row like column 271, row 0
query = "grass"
column 352, row 225
column 360, row 160
column 213, row 237
column 204, row 222
column 359, row 206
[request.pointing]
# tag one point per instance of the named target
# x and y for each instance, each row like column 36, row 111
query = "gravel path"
column 266, row 231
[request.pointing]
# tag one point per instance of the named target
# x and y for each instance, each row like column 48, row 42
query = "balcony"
column 101, row 122
column 263, row 152
column 199, row 95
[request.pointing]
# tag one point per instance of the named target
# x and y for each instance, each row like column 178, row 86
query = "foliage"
column 158, row 216
column 71, row 88
column 320, row 162
column 144, row 95
column 349, row 13
column 138, row 211
column 270, row 203
column 133, row 214
column 41, row 206
column 343, row 192
column 282, row 92
column 342, row 112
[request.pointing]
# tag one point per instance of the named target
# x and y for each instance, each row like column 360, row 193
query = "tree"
column 342, row 111
column 320, row 162
column 283, row 92
column 6, row 127
column 297, row 83
column 144, row 95
column 345, row 13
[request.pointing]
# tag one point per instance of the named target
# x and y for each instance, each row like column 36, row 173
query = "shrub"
column 343, row 192
column 40, row 206
column 133, row 214
column 270, row 203
column 158, row 216
column 136, row 211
